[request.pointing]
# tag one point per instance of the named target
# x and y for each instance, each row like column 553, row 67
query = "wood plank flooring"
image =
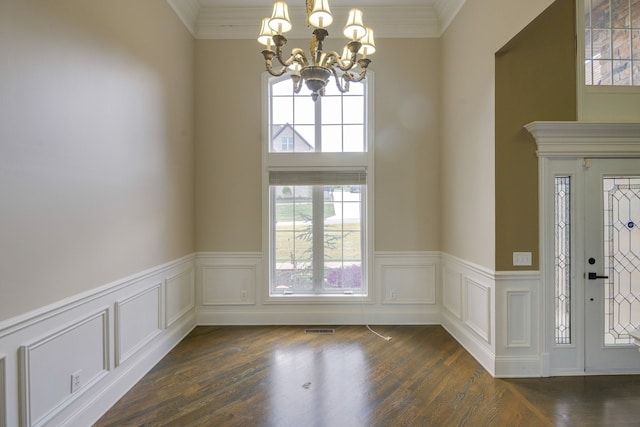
column 280, row 376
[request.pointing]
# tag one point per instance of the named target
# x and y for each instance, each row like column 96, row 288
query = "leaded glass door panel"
column 612, row 264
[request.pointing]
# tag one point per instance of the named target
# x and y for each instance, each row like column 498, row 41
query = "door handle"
column 594, row 276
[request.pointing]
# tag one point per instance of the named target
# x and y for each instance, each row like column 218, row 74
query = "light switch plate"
column 522, row 258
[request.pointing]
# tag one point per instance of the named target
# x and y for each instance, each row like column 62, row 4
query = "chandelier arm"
column 334, row 58
column 268, row 57
column 363, row 63
column 346, row 77
column 274, row 73
column 297, row 83
column 297, row 55
column 360, row 76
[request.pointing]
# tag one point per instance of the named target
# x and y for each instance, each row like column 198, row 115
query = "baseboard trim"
column 472, row 344
column 517, row 367
column 347, row 316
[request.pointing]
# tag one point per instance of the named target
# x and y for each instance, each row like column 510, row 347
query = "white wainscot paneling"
column 49, row 363
column 229, row 279
column 138, row 321
column 407, row 278
column 518, row 318
column 40, row 351
column 179, row 296
column 517, row 324
column 478, row 308
column 452, row 291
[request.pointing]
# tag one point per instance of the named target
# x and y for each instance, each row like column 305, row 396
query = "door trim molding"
column 561, row 149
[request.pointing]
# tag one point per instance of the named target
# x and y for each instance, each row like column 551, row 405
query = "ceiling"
column 240, row 19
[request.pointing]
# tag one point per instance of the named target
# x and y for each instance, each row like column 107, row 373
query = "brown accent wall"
column 535, row 80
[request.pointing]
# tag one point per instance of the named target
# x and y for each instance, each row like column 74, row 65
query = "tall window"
column 612, row 42
column 318, row 189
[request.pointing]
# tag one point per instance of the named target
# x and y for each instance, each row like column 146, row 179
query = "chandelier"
column 316, row 69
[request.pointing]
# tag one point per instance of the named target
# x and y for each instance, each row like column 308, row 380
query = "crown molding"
column 586, row 139
column 447, row 10
column 187, row 11
column 244, row 22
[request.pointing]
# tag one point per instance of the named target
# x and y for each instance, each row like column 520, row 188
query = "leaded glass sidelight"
column 621, row 258
column 562, row 257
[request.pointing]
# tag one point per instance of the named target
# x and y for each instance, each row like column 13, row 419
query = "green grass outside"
column 289, row 242
column 285, row 211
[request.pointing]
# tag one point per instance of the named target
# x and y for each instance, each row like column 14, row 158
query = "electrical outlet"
column 75, row 381
column 243, row 295
column 393, row 295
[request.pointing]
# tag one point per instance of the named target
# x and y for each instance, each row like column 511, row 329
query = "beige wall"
column 407, row 129
column 96, row 145
column 100, row 103
column 535, row 80
column 468, row 117
column 228, row 138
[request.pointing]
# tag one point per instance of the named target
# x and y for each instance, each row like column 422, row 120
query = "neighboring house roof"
column 277, row 130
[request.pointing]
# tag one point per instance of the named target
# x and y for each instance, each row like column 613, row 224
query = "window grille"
column 612, row 42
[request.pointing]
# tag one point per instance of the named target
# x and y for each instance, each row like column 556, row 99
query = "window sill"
column 319, row 299
column 615, row 90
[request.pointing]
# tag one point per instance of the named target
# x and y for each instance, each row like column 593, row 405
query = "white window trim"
column 350, row 161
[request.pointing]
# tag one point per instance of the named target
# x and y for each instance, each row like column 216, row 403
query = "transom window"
column 317, row 165
column 612, row 42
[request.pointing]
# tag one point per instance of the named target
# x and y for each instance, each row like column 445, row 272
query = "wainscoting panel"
column 229, row 279
column 468, row 308
column 452, row 293
column 106, row 339
column 477, row 303
column 518, row 324
column 179, row 296
column 403, row 289
column 518, row 318
column 137, row 322
column 407, row 278
column 49, row 364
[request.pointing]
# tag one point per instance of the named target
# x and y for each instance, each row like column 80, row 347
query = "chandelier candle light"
column 316, row 70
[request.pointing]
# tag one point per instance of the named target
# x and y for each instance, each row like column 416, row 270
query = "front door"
column 612, row 264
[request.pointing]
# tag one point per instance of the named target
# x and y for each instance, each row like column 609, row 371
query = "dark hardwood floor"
column 280, row 376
